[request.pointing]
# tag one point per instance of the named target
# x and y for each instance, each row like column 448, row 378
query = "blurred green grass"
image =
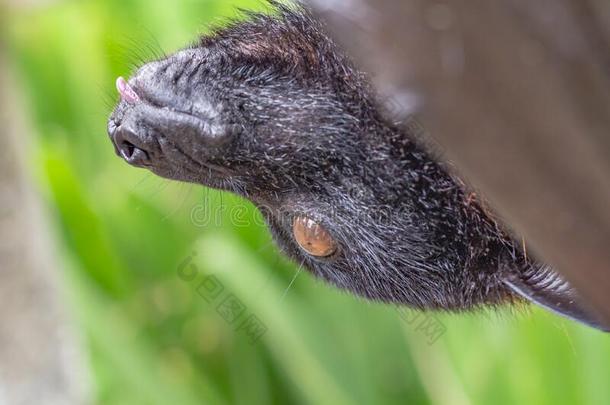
column 152, row 339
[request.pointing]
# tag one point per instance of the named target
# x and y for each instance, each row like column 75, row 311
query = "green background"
column 150, row 338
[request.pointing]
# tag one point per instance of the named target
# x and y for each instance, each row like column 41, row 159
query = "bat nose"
column 128, row 144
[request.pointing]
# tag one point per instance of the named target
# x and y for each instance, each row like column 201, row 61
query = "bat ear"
column 544, row 287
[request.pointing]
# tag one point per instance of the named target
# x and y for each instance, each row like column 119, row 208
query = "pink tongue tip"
column 127, row 93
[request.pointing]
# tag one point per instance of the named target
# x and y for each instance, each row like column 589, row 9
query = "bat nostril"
column 129, row 147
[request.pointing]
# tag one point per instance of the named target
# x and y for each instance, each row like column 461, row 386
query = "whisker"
column 265, row 246
column 181, row 204
column 163, row 185
column 109, row 98
column 222, row 207
column 140, row 182
column 156, row 47
column 292, row 282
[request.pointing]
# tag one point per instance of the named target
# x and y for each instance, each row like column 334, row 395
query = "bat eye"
column 313, row 238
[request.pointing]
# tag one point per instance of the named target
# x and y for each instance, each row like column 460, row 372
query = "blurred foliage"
column 149, row 335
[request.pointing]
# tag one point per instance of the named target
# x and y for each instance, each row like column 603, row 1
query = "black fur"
column 271, row 109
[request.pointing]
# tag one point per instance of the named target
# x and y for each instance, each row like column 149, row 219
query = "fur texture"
column 271, row 109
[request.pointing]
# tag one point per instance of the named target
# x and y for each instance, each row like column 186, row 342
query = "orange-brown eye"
column 313, row 238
